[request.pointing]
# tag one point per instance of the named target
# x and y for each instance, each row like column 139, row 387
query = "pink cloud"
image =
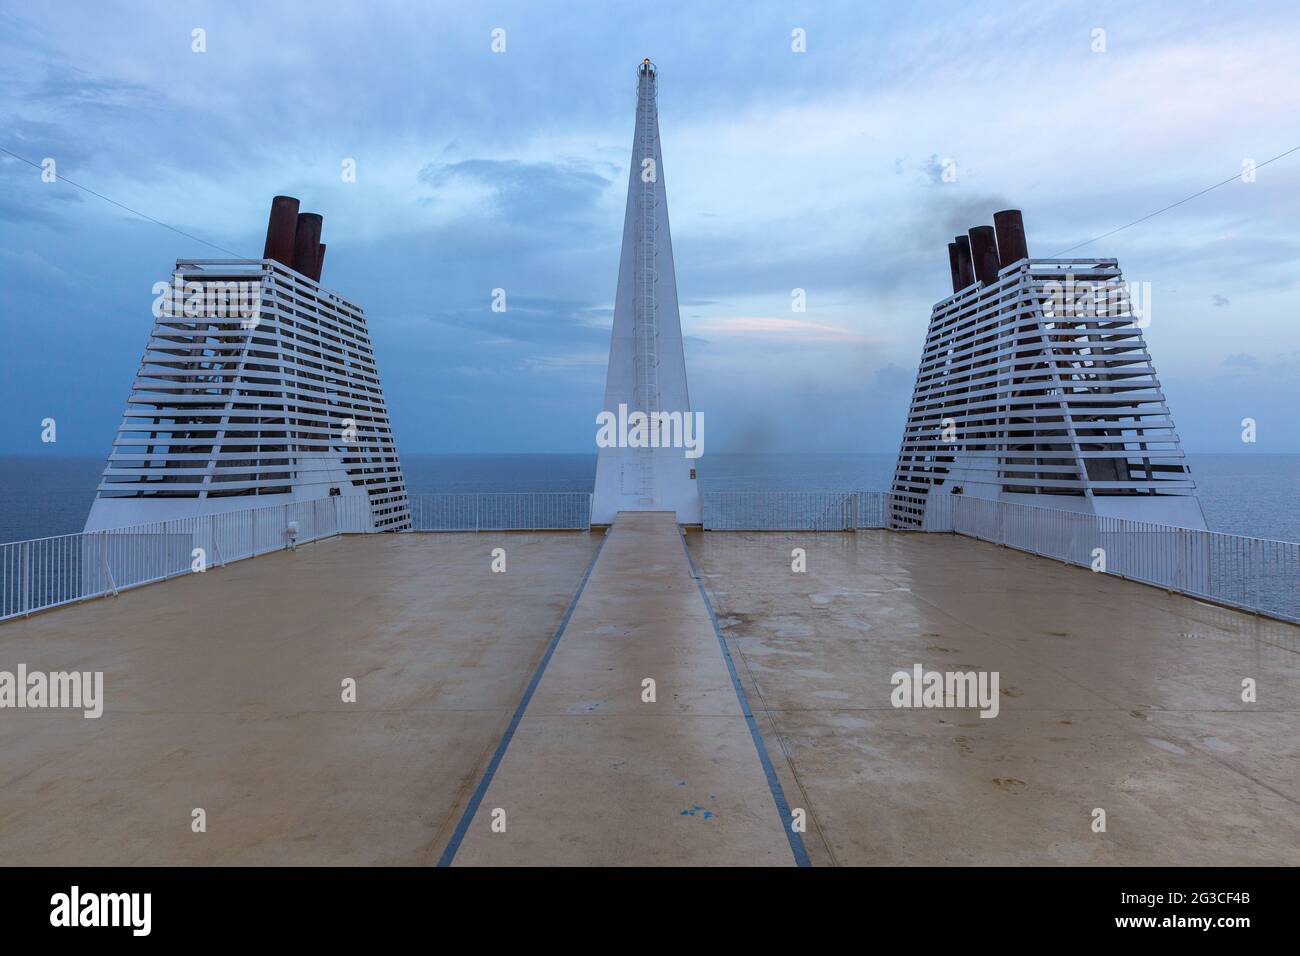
column 763, row 327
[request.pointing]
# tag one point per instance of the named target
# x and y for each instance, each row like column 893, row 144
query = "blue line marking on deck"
column 773, row 783
column 480, row 791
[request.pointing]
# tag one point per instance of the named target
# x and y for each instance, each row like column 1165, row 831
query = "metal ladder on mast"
column 647, row 330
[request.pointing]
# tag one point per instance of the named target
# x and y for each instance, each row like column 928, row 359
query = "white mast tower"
column 647, row 366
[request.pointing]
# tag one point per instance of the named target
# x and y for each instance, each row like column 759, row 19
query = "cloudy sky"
column 818, row 170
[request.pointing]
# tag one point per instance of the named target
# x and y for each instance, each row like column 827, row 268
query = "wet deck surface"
column 597, row 774
column 223, row 692
column 1113, row 696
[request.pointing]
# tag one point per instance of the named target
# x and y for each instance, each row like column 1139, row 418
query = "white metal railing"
column 1255, row 574
column 794, row 510
column 1249, row 573
column 48, row 572
column 505, row 511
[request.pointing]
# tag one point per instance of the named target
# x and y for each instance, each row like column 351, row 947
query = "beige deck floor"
column 223, row 691
column 595, row 774
column 1114, row 695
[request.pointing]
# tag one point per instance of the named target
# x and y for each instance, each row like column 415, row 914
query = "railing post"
column 1256, row 546
column 27, row 576
column 103, row 555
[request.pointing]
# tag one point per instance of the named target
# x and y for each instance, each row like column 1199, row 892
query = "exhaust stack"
column 954, row 264
column 983, row 252
column 281, row 230
column 306, row 246
column 1010, row 227
column 965, row 271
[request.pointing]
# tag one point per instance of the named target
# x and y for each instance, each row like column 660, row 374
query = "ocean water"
column 1254, row 494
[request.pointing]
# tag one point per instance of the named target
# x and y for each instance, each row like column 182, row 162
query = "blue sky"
column 817, row 170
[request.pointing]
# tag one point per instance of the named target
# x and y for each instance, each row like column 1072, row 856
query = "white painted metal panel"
column 647, row 364
column 278, row 402
column 1022, row 400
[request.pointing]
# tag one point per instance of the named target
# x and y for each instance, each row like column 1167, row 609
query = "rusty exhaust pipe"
column 306, row 245
column 281, row 230
column 1010, row 227
column 954, row 264
column 320, row 261
column 965, row 271
column 983, row 253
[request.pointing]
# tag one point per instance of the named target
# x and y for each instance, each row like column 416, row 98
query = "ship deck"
column 523, row 692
